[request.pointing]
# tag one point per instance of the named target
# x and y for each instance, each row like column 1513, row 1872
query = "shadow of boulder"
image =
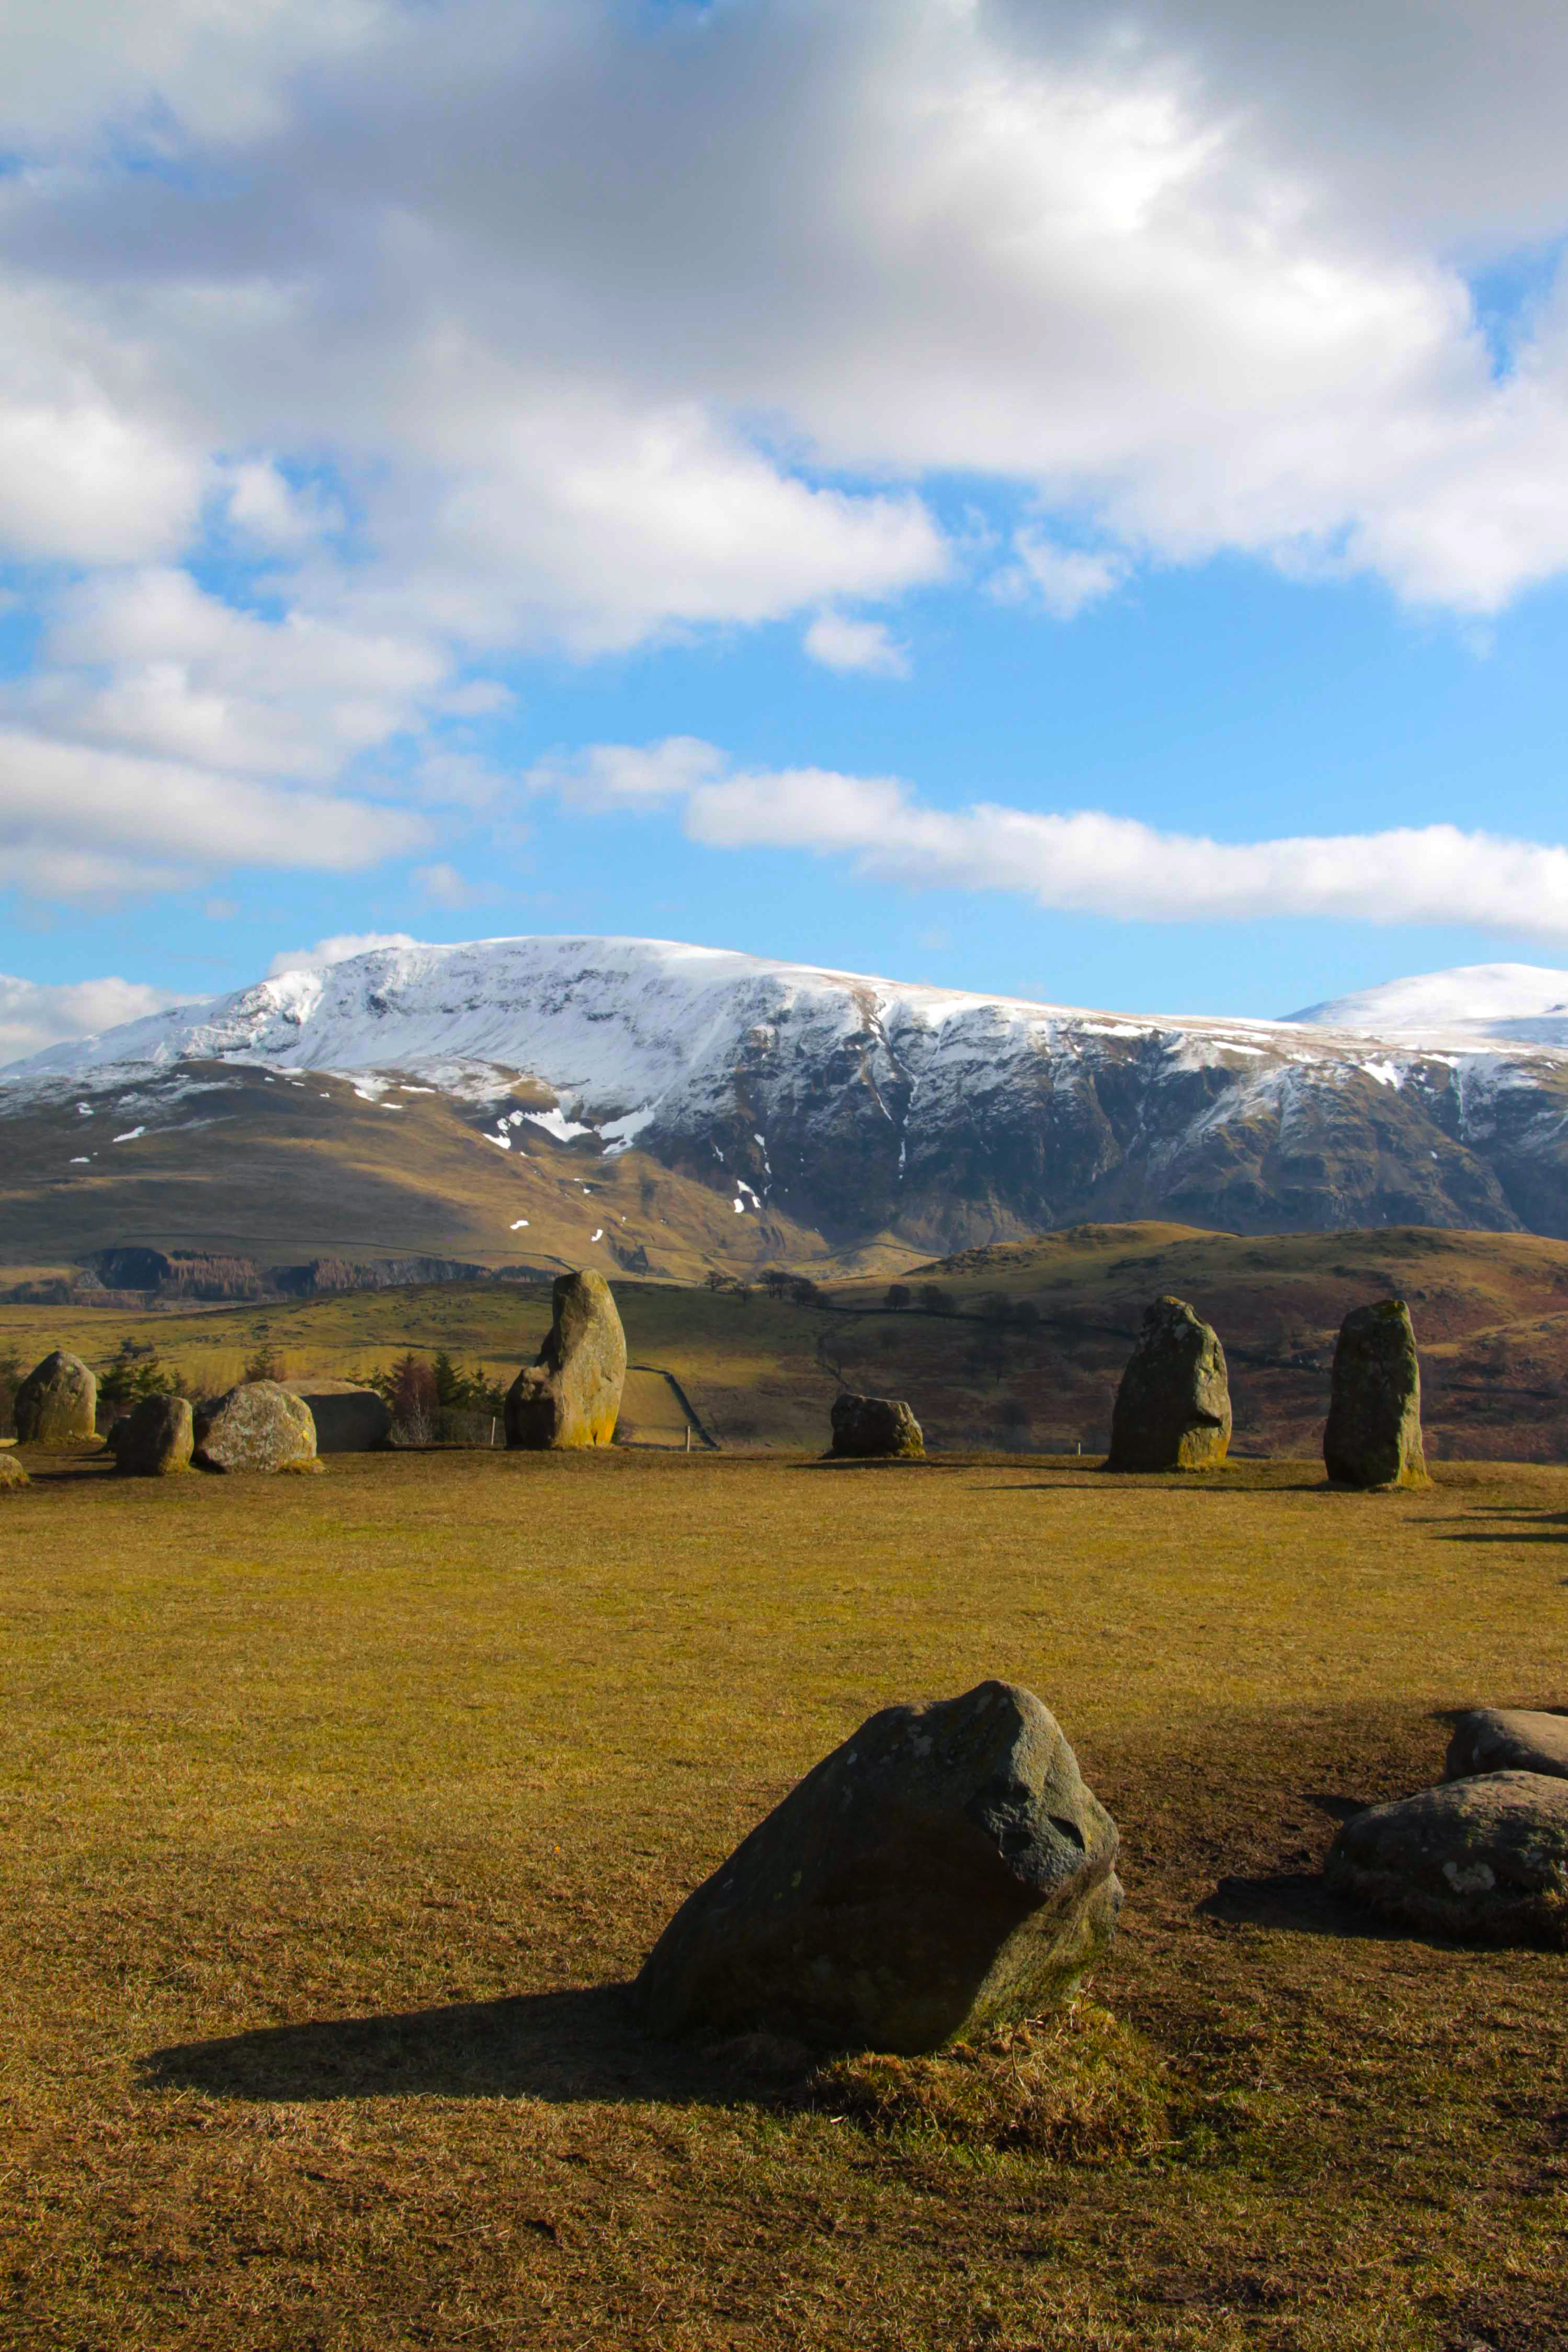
column 584, row 2043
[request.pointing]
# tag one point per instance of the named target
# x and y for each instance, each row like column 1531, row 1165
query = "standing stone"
column 1373, row 1435
column 155, row 1439
column 572, row 1396
column 57, row 1405
column 1508, row 1740
column 868, row 1428
column 944, row 1870
column 257, row 1426
column 12, row 1477
column 1172, row 1408
column 1484, row 1858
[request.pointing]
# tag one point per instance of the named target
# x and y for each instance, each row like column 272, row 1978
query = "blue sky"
column 958, row 491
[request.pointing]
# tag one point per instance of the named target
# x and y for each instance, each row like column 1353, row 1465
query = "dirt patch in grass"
column 339, row 1812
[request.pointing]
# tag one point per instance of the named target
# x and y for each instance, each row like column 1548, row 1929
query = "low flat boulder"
column 1172, row 1408
column 945, row 1870
column 57, row 1405
column 260, row 1425
column 1373, row 1435
column 867, row 1428
column 1508, row 1740
column 348, row 1420
column 155, row 1439
column 572, row 1396
column 1484, row 1860
column 12, row 1477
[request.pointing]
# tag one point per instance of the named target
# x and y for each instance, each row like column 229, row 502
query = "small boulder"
column 155, row 1439
column 12, row 1477
column 57, row 1405
column 1172, row 1408
column 1508, row 1740
column 260, row 1425
column 1373, row 1435
column 572, row 1396
column 945, row 1870
column 348, row 1420
column 867, row 1427
column 1485, row 1860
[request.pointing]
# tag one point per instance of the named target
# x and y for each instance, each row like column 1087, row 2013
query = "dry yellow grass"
column 336, row 1810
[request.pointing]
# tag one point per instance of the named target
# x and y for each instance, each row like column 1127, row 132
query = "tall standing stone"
column 1172, row 1408
column 1373, row 1435
column 57, row 1405
column 572, row 1396
column 946, row 1869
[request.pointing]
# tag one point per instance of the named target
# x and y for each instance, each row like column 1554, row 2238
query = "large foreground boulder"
column 57, row 1405
column 572, row 1396
column 868, row 1428
column 1508, row 1740
column 257, row 1426
column 944, row 1870
column 12, row 1477
column 155, row 1439
column 1373, row 1435
column 348, row 1420
column 1172, row 1408
column 1485, row 1860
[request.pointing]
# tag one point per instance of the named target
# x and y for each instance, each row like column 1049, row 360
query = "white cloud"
column 444, row 885
column 36, row 1013
column 336, row 949
column 845, row 645
column 153, row 823
column 1065, row 578
column 517, row 327
column 625, row 775
column 1087, row 862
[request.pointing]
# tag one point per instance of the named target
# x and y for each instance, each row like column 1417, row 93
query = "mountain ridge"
column 871, row 1114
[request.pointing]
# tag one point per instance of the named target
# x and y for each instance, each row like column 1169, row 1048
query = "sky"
column 1037, row 496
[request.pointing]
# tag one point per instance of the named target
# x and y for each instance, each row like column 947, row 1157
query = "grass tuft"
column 1078, row 2087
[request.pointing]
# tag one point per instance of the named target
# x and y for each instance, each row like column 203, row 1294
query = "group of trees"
column 425, row 1395
column 136, row 1372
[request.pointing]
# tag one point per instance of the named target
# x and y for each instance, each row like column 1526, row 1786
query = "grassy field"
column 339, row 1808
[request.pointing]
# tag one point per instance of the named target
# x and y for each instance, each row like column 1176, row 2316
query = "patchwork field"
column 338, row 1810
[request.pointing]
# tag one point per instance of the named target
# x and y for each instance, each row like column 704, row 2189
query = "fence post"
column 688, row 1437
column 492, row 1432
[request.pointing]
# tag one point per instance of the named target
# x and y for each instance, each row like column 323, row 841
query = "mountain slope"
column 801, row 1113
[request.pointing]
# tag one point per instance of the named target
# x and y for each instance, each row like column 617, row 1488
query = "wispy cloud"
column 839, row 642
column 1086, row 861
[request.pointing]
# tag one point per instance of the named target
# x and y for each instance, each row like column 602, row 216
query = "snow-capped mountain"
column 1517, row 1003
column 856, row 1108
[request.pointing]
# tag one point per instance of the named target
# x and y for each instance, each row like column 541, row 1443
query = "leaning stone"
column 1508, row 1740
column 869, row 1427
column 1172, row 1408
column 1485, row 1860
column 258, row 1426
column 57, row 1405
column 12, row 1477
column 348, row 1420
column 156, row 1438
column 572, row 1396
column 1373, row 1436
column 944, row 1870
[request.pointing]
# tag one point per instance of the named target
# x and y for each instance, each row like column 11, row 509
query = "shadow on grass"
column 584, row 2043
column 1297, row 1902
